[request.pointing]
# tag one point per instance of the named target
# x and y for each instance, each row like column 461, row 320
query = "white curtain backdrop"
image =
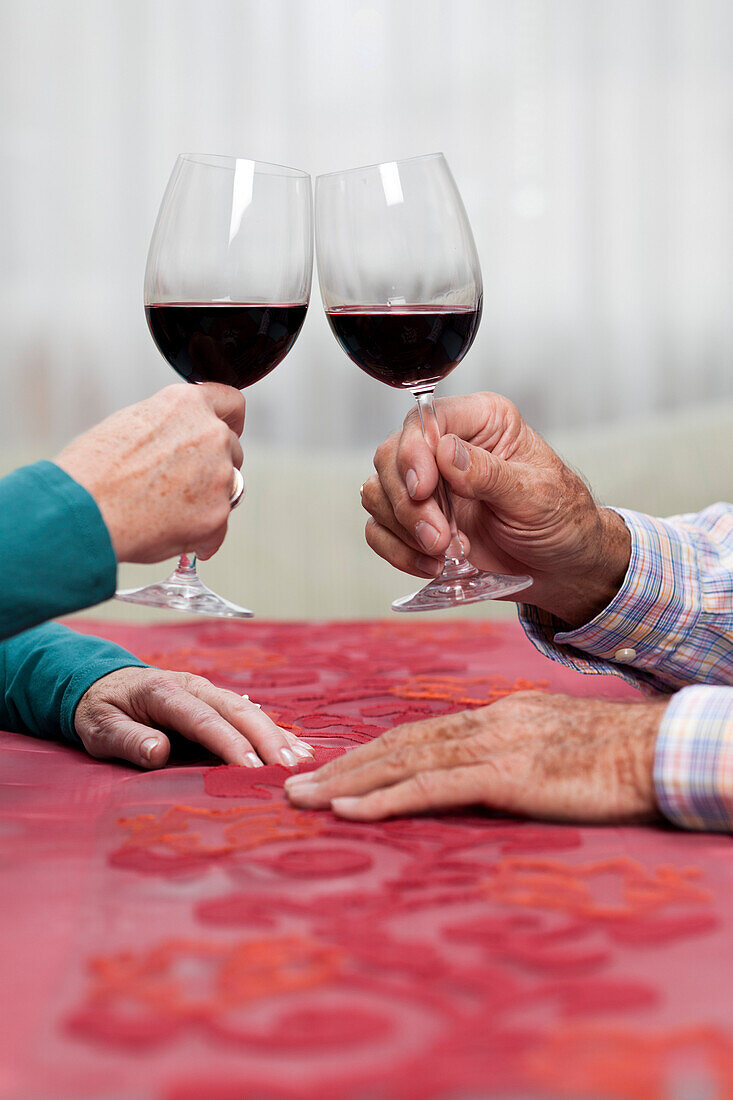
column 592, row 141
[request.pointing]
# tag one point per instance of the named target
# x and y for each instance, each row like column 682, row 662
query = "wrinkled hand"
column 162, row 471
column 518, row 507
column 530, row 754
column 122, row 716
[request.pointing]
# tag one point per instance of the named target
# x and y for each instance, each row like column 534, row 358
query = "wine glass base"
column 473, row 587
column 184, row 593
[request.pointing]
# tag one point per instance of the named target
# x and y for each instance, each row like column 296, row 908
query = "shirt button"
column 624, row 655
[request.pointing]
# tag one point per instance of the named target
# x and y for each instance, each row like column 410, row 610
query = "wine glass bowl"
column 409, row 348
column 227, row 285
column 401, row 286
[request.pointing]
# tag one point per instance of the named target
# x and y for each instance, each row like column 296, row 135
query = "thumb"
column 127, row 740
column 476, row 474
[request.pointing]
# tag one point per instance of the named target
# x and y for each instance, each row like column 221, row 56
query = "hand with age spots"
column 551, row 757
column 518, row 507
column 122, row 717
column 162, row 471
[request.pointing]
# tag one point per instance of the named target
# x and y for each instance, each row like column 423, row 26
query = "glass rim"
column 379, row 164
column 264, row 167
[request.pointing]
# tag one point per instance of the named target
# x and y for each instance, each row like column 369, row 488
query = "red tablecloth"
column 186, row 934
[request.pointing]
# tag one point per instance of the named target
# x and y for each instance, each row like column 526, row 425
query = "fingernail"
column 461, row 457
column 428, row 565
column 149, row 746
column 253, row 761
column 411, row 481
column 301, row 750
column 426, row 534
column 289, row 757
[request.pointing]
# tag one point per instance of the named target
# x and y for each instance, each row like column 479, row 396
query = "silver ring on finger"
column 237, row 489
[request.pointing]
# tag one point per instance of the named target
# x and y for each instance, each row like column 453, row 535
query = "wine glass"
column 227, row 285
column 401, row 286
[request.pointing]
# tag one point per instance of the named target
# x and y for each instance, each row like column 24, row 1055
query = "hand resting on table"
column 547, row 756
column 122, row 717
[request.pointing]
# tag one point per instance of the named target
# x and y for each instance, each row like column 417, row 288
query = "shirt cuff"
column 656, row 608
column 693, row 762
column 45, row 671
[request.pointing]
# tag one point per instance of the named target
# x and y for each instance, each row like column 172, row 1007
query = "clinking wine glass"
column 227, row 285
column 401, row 285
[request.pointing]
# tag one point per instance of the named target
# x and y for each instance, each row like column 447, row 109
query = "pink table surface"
column 185, row 933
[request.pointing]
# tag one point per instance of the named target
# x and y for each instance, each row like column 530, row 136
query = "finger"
column 375, row 501
column 301, row 747
column 172, row 707
column 209, row 548
column 422, row 526
column 227, row 402
column 414, row 461
column 484, row 419
column 272, row 743
column 484, row 416
column 385, row 771
column 236, row 451
column 476, row 474
column 444, row 728
column 407, row 471
column 397, row 553
column 124, row 739
column 434, row 790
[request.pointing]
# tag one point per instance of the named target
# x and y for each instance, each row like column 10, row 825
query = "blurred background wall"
column 592, row 141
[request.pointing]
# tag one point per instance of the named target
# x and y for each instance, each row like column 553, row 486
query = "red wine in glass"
column 227, row 285
column 402, row 289
column 234, row 343
column 408, row 347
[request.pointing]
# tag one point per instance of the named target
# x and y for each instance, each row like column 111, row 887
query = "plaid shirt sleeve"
column 669, row 626
column 693, row 760
column 671, row 622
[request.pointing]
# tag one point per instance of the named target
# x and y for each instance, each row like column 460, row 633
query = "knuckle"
column 497, row 401
column 381, row 453
column 402, row 758
column 219, row 435
column 404, row 511
column 533, row 697
column 98, row 738
column 398, row 737
column 223, row 483
column 158, row 683
column 177, row 391
column 188, row 681
column 183, row 396
column 391, row 736
column 128, row 745
column 483, row 472
column 411, row 419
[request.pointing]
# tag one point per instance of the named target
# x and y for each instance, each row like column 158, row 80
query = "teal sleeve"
column 44, row 673
column 55, row 551
column 56, row 557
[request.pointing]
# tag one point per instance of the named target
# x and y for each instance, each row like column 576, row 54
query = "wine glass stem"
column 186, row 568
column 456, row 562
